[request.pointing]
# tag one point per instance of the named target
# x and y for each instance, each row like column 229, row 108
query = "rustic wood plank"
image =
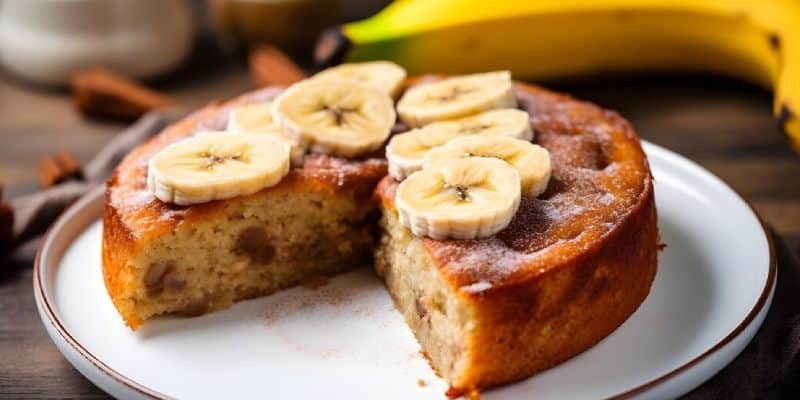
column 756, row 179
column 782, row 215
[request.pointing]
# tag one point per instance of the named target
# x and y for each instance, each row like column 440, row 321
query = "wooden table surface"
column 724, row 125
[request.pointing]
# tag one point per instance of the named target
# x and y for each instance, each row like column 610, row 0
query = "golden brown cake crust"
column 573, row 264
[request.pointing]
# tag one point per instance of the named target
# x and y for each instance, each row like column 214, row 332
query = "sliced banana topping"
column 506, row 122
column 252, row 118
column 257, row 118
column 346, row 118
column 531, row 161
column 466, row 198
column 406, row 151
column 216, row 166
column 456, row 97
column 385, row 75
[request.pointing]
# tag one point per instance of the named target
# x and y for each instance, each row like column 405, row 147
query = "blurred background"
column 193, row 51
column 188, row 53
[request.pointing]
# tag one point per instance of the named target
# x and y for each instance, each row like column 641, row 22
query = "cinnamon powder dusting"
column 316, row 282
column 307, row 300
column 598, row 176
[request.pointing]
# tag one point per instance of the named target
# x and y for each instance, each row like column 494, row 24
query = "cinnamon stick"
column 101, row 92
column 58, row 168
column 270, row 66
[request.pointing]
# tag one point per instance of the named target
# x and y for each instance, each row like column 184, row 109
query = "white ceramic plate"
column 345, row 340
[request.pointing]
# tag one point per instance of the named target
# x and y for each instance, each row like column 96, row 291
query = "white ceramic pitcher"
column 45, row 41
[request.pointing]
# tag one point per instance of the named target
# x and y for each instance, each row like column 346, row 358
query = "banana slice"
column 466, row 198
column 405, row 151
column 257, row 118
column 386, row 76
column 251, row 118
column 215, row 166
column 346, row 118
column 531, row 161
column 456, row 97
column 506, row 122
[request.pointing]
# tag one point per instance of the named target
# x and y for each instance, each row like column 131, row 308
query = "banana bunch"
column 757, row 41
column 466, row 168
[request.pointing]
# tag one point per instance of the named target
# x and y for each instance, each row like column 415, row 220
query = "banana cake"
column 514, row 227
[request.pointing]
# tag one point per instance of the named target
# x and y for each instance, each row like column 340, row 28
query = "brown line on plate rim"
column 39, row 294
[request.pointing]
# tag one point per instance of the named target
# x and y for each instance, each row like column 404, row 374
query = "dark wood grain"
column 723, row 125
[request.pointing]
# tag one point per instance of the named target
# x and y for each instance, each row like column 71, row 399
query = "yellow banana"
column 758, row 41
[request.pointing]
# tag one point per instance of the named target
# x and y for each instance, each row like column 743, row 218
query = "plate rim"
column 38, row 291
column 91, row 196
column 749, row 317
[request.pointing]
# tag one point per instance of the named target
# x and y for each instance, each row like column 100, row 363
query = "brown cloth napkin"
column 767, row 369
column 34, row 213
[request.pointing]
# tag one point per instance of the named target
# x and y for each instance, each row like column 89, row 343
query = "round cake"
column 572, row 265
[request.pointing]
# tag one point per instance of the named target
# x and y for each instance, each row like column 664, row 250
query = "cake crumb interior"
column 438, row 317
column 261, row 245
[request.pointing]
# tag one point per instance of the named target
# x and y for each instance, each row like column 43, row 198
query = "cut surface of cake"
column 571, row 266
